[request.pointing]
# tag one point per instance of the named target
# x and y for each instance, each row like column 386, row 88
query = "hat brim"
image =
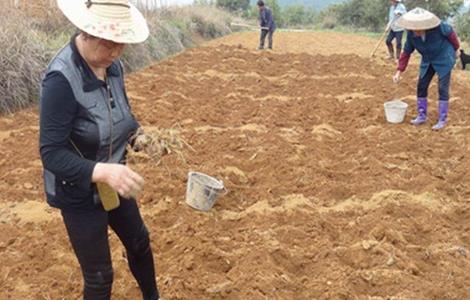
column 418, row 24
column 126, row 28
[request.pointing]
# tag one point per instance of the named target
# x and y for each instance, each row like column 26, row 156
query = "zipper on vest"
column 109, row 104
column 110, row 95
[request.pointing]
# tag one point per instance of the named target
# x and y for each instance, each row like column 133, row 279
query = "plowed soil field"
column 326, row 199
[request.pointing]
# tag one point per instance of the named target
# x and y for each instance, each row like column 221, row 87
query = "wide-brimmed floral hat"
column 418, row 19
column 114, row 20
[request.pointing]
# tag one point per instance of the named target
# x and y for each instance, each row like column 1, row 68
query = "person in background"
column 396, row 10
column 85, row 125
column 267, row 24
column 438, row 45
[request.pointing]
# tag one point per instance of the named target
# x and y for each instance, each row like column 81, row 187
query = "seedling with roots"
column 153, row 144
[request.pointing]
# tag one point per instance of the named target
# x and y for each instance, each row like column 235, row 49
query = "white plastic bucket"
column 395, row 111
column 202, row 191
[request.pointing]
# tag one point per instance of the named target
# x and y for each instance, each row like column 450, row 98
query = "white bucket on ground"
column 395, row 111
column 202, row 191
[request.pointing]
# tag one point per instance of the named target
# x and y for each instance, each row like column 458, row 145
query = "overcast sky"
column 165, row 2
column 178, row 2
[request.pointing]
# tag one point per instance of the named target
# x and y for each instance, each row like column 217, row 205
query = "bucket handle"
column 225, row 191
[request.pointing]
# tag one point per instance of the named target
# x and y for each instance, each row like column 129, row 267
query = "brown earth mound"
column 326, row 200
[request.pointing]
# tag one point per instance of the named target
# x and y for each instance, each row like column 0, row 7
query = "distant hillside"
column 317, row 4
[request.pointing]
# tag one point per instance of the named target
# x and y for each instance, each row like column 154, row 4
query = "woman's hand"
column 120, row 177
column 397, row 77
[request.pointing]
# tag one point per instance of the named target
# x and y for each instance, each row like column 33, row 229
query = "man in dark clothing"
column 267, row 24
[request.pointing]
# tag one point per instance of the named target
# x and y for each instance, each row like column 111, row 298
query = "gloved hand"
column 149, row 144
column 141, row 142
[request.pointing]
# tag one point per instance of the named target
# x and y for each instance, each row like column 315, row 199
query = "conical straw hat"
column 114, row 20
column 418, row 19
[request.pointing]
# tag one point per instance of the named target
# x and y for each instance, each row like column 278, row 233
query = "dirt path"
column 327, row 200
column 324, row 43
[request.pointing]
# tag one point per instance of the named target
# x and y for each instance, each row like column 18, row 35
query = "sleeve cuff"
column 454, row 40
column 88, row 169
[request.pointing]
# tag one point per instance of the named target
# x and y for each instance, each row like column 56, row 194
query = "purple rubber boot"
column 443, row 110
column 422, row 104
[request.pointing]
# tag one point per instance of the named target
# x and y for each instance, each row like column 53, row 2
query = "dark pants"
column 425, row 81
column 397, row 35
column 88, row 233
column 265, row 33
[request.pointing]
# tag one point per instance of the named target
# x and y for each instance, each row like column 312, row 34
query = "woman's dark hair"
column 260, row 3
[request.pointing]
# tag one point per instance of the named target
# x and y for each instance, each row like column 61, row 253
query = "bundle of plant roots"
column 153, row 144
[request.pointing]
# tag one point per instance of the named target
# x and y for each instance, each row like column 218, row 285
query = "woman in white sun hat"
column 438, row 45
column 85, row 125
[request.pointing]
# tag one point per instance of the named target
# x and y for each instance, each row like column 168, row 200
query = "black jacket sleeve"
column 58, row 108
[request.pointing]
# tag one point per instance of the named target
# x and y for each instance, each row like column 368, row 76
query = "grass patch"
column 22, row 59
column 29, row 41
